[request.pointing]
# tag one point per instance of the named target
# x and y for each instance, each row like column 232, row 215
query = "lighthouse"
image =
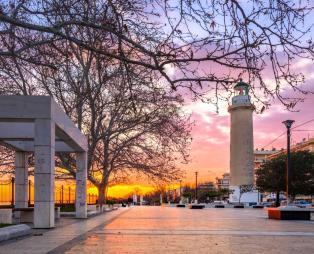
column 241, row 142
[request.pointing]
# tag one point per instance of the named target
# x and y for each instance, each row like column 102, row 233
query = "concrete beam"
column 28, row 108
column 24, row 130
column 69, row 141
column 28, row 146
column 25, row 107
column 65, row 124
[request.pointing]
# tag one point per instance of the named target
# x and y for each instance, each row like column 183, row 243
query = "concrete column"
column 81, row 177
column 21, row 180
column 44, row 173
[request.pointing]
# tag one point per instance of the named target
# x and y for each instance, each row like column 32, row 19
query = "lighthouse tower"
column 241, row 142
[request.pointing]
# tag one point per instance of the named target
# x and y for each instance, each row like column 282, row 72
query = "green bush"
column 2, row 225
column 67, row 208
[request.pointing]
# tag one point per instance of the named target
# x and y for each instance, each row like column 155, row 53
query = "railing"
column 7, row 192
column 64, row 194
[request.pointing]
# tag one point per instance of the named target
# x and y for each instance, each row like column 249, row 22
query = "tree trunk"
column 101, row 195
column 79, row 112
column 106, row 192
column 277, row 199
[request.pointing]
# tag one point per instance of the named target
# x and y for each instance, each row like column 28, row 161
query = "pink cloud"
column 210, row 146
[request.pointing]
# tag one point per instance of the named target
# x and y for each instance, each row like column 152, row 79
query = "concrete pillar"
column 44, row 216
column 81, row 177
column 21, row 180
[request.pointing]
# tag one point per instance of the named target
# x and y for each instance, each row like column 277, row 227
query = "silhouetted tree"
column 162, row 37
column 208, row 195
column 271, row 176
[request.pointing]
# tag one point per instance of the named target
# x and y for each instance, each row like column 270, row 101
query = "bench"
column 26, row 214
column 257, row 206
column 291, row 213
column 196, row 206
column 219, row 206
column 238, row 206
column 180, row 205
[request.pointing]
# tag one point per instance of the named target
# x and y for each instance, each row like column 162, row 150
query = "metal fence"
column 64, row 194
column 7, row 192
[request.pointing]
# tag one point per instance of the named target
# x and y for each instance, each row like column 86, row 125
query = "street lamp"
column 288, row 124
column 196, row 187
column 180, row 190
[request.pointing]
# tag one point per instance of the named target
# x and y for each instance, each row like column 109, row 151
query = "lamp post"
column 196, row 187
column 288, row 124
column 180, row 191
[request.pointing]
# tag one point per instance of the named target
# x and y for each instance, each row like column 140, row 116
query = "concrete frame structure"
column 36, row 124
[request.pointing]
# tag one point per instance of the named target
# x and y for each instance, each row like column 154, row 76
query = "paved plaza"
column 174, row 230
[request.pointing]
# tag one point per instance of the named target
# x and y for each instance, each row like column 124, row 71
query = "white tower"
column 241, row 140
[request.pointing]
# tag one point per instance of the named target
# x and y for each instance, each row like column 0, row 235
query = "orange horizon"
column 116, row 191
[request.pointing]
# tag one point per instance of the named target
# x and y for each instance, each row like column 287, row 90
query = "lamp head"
column 288, row 123
column 242, row 88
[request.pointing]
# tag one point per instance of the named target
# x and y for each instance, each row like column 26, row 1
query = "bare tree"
column 7, row 161
column 146, row 134
column 111, row 66
column 133, row 124
column 209, row 44
column 141, row 129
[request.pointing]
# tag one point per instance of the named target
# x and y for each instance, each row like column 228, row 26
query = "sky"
column 210, row 146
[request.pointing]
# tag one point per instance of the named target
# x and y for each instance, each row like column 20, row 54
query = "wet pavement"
column 67, row 232
column 181, row 230
column 170, row 230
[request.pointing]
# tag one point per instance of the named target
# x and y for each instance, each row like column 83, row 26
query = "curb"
column 14, row 231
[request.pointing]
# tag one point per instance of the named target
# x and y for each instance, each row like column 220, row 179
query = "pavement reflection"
column 181, row 230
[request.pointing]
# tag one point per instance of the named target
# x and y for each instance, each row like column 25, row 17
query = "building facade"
column 304, row 145
column 223, row 182
column 206, row 186
column 261, row 155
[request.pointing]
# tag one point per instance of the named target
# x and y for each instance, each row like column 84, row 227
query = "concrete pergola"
column 36, row 124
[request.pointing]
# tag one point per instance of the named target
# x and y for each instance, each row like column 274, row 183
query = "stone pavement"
column 181, row 230
column 173, row 230
column 69, row 230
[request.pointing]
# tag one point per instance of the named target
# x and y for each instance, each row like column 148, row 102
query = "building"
column 224, row 182
column 304, row 145
column 260, row 156
column 206, row 186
